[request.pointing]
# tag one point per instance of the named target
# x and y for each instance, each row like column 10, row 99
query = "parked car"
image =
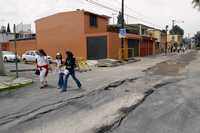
column 9, row 56
column 31, row 56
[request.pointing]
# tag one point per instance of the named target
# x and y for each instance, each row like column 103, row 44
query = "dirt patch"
column 168, row 68
column 173, row 67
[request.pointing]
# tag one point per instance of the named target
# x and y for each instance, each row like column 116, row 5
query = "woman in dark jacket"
column 70, row 64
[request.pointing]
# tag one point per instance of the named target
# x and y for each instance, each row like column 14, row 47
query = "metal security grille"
column 133, row 44
column 96, row 48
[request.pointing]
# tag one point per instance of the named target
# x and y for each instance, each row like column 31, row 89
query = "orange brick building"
column 86, row 35
column 23, row 46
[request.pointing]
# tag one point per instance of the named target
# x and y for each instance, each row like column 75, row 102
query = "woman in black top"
column 70, row 64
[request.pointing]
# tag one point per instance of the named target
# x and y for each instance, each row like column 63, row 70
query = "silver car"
column 31, row 56
column 9, row 56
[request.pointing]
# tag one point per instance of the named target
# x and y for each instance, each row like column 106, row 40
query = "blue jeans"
column 72, row 73
column 61, row 80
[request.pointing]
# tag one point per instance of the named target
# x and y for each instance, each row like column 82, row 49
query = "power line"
column 101, row 5
column 109, row 8
column 139, row 14
column 113, row 4
column 115, row 10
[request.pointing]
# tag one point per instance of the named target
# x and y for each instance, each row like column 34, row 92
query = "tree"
column 119, row 18
column 196, row 3
column 3, row 29
column 8, row 28
column 197, row 39
column 177, row 30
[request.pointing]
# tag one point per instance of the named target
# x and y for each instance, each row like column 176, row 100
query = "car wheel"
column 5, row 59
column 24, row 60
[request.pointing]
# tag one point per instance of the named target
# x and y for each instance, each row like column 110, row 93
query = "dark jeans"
column 61, row 80
column 72, row 73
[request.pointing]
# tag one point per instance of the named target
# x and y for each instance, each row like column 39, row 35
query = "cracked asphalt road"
column 112, row 99
column 173, row 108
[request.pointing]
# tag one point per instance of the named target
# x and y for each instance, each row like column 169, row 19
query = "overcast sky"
column 156, row 13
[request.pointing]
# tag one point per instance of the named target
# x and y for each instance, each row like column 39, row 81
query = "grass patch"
column 14, row 87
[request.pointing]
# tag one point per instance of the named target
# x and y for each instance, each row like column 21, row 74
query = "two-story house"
column 174, row 40
column 86, row 34
column 80, row 31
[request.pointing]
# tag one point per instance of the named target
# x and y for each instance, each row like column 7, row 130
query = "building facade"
column 174, row 40
column 86, row 34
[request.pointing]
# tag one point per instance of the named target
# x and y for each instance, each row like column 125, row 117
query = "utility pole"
column 2, row 68
column 173, row 23
column 173, row 33
column 166, row 29
column 16, row 59
column 122, row 27
column 140, row 40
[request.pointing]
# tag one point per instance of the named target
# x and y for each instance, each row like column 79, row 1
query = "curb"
column 15, row 84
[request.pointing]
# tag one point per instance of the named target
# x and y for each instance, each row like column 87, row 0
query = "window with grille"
column 93, row 20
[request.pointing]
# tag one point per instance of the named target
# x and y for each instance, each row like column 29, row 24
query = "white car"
column 9, row 56
column 31, row 56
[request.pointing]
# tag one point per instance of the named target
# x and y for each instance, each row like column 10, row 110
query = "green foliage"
column 197, row 39
column 196, row 3
column 119, row 19
column 177, row 30
column 8, row 28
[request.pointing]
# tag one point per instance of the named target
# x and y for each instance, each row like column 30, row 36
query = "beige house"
column 160, row 39
column 174, row 39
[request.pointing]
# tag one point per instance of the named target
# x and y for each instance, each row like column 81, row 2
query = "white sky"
column 158, row 12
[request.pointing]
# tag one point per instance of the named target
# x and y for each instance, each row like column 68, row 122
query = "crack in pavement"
column 182, row 61
column 17, row 118
column 124, row 112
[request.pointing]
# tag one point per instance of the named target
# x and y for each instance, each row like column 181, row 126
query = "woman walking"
column 70, row 64
column 42, row 67
column 59, row 64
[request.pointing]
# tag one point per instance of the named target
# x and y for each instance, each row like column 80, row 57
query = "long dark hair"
column 69, row 55
column 42, row 53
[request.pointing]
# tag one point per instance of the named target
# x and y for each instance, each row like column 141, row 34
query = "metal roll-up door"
column 96, row 48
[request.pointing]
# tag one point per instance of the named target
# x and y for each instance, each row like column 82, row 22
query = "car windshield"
column 8, row 53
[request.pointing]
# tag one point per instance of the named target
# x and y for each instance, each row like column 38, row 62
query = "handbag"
column 66, row 71
column 37, row 72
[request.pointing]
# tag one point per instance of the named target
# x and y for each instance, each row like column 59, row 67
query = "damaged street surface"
column 159, row 94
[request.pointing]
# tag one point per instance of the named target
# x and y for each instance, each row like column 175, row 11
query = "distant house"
column 24, row 43
column 144, row 45
column 4, row 40
column 25, row 40
column 6, row 37
column 161, row 39
column 174, row 40
column 23, row 28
